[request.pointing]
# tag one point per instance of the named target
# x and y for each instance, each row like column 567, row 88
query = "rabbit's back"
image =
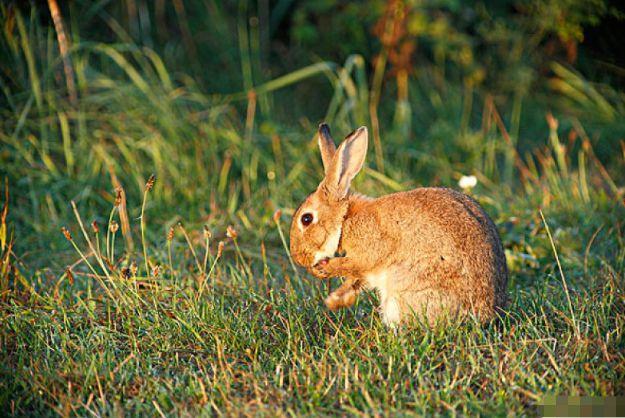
column 437, row 246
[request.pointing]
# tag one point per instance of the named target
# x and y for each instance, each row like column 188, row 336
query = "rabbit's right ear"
column 347, row 162
column 326, row 146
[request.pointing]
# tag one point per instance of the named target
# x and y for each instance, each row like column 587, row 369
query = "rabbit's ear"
column 347, row 162
column 326, row 146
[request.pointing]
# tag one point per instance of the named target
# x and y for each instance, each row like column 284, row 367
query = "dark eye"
column 307, row 219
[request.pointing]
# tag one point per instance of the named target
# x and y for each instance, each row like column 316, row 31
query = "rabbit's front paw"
column 320, row 270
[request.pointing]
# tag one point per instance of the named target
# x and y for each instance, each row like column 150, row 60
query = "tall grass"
column 239, row 341
column 181, row 299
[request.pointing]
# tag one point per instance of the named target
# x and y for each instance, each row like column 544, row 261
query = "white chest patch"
column 329, row 247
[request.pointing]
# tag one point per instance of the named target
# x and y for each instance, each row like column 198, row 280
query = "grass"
column 181, row 298
column 257, row 342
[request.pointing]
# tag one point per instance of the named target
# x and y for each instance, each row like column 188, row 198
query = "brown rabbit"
column 428, row 251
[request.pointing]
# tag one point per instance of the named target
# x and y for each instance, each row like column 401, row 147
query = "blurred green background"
column 221, row 99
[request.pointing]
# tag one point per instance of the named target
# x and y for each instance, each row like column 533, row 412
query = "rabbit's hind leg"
column 390, row 310
column 432, row 305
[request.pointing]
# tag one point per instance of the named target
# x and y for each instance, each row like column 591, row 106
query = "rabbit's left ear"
column 347, row 162
column 326, row 146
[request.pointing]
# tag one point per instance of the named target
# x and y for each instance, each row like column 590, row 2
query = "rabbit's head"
column 317, row 224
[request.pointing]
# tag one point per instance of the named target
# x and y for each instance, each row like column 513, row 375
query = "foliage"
column 180, row 298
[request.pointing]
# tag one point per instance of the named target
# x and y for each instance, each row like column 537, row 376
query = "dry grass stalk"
column 5, row 206
column 206, row 275
column 120, row 202
column 493, row 115
column 63, row 48
column 148, row 186
column 191, row 248
column 389, row 30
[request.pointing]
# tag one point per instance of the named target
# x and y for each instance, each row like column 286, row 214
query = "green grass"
column 257, row 339
column 216, row 319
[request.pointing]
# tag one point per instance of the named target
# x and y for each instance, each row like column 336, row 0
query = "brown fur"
column 429, row 251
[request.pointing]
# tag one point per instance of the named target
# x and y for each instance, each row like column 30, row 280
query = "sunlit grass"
column 248, row 336
column 180, row 298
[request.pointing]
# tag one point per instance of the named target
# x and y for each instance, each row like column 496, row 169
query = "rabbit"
column 429, row 252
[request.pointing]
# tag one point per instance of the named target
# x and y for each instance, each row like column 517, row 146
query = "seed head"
column 551, row 121
column 118, row 196
column 95, row 227
column 150, row 183
column 220, row 248
column 70, row 275
column 276, row 215
column 155, row 270
column 231, row 232
column 66, row 233
column 170, row 234
column 207, row 232
column 114, row 226
column 126, row 273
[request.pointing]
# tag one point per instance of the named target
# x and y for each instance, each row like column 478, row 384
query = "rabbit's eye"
column 306, row 219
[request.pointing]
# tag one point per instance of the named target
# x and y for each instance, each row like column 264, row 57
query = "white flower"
column 467, row 182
